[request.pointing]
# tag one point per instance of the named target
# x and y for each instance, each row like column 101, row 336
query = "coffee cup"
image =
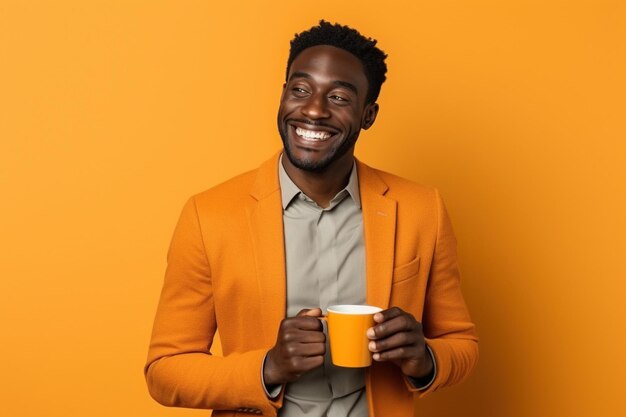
column 347, row 327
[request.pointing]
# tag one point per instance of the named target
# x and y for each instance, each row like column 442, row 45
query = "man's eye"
column 299, row 91
column 339, row 99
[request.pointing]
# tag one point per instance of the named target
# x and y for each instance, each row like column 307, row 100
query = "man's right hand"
column 300, row 347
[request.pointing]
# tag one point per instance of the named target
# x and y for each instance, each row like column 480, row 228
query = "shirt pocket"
column 406, row 271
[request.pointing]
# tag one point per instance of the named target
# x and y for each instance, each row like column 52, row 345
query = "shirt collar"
column 289, row 189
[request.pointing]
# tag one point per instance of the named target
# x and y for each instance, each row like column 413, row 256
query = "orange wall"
column 113, row 112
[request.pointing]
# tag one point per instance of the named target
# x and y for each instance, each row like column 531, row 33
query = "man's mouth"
column 313, row 135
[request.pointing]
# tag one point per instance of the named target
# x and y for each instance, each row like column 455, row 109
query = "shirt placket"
column 327, row 260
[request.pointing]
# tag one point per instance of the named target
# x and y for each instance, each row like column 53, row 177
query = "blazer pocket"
column 406, row 271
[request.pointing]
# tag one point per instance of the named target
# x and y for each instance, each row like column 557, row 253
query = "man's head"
column 334, row 76
column 348, row 39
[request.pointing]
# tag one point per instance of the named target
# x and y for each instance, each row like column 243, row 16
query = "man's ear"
column 369, row 115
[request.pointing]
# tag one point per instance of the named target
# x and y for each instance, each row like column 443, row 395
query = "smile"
column 313, row 135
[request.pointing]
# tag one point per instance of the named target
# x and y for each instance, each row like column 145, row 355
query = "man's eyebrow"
column 345, row 84
column 300, row 75
column 348, row 85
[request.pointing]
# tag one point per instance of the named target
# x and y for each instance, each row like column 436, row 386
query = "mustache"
column 312, row 123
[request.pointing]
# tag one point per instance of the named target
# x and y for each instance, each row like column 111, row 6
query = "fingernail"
column 372, row 346
column 378, row 317
column 376, row 356
column 370, row 333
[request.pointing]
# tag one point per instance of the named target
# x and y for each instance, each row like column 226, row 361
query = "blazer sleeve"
column 447, row 325
column 180, row 370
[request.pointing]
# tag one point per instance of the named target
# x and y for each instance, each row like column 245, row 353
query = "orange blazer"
column 226, row 271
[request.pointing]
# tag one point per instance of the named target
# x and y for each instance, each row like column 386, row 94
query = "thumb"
column 310, row 312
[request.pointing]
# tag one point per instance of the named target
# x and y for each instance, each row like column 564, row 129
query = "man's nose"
column 316, row 108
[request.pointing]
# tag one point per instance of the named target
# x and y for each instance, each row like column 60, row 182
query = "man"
column 263, row 255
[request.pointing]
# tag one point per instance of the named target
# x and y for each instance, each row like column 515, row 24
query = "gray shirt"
column 325, row 261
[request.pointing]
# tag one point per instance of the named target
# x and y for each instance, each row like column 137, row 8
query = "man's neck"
column 322, row 186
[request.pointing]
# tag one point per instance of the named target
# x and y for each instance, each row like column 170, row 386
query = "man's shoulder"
column 241, row 188
column 231, row 192
column 401, row 188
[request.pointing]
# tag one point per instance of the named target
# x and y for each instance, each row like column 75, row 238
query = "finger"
column 302, row 323
column 303, row 336
column 305, row 350
column 401, row 353
column 402, row 323
column 310, row 312
column 388, row 314
column 395, row 341
column 311, row 362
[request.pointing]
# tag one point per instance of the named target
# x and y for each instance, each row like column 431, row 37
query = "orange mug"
column 347, row 327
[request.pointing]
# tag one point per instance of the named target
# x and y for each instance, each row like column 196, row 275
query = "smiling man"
column 262, row 256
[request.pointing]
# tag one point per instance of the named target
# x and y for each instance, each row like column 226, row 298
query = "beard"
column 311, row 165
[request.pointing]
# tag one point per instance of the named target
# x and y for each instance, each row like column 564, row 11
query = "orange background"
column 113, row 112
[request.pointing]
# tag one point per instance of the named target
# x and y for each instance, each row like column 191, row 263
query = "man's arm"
column 446, row 329
column 180, row 371
column 447, row 326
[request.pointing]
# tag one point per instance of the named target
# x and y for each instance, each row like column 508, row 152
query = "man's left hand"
column 398, row 337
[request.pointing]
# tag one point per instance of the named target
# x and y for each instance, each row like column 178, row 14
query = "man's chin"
column 308, row 164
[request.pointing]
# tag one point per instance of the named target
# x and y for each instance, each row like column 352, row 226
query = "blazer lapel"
column 379, row 222
column 266, row 227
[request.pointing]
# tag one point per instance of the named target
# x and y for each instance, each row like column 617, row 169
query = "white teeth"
column 312, row 134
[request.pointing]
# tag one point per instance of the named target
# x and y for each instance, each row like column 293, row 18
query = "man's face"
column 322, row 107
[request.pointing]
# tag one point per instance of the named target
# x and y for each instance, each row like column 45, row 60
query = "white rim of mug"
column 354, row 309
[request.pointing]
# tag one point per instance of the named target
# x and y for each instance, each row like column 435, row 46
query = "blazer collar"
column 266, row 181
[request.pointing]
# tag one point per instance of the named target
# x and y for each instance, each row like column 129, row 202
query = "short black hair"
column 344, row 37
